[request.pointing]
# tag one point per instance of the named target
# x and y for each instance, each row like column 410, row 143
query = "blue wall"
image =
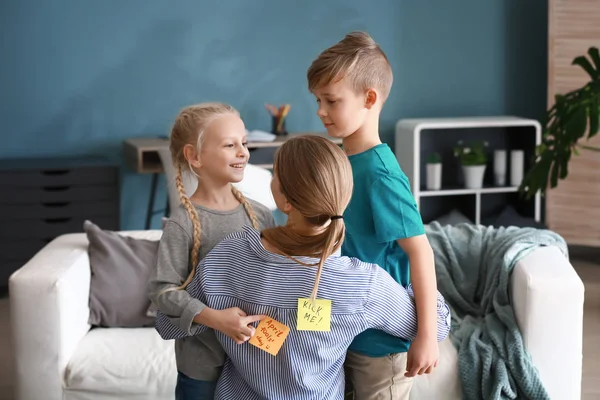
column 78, row 77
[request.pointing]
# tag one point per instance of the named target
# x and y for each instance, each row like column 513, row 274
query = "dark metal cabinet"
column 41, row 199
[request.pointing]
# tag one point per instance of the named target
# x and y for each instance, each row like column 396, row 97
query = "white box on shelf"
column 408, row 152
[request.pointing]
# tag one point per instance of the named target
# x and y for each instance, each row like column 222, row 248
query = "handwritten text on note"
column 314, row 316
column 270, row 335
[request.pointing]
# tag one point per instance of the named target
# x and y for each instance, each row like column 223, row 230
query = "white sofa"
column 59, row 357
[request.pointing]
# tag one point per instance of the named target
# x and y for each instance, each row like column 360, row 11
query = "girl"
column 270, row 273
column 208, row 140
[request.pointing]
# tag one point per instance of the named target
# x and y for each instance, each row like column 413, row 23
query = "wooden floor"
column 588, row 269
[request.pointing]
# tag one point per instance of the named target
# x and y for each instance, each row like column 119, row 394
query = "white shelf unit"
column 443, row 133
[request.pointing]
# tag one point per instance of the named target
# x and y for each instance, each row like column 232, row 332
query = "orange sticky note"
column 314, row 316
column 270, row 335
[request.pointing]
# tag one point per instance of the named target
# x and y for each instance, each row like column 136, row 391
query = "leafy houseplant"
column 473, row 159
column 434, row 158
column 566, row 122
column 471, row 155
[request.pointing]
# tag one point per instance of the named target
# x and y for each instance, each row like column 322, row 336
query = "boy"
column 351, row 81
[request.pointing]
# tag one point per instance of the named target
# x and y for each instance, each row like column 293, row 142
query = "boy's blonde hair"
column 316, row 179
column 189, row 128
column 356, row 58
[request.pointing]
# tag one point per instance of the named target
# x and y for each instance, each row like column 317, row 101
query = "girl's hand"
column 233, row 322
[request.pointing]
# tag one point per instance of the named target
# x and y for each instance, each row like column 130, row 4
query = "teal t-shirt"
column 382, row 210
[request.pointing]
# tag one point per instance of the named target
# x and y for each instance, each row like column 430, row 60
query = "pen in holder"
column 278, row 117
column 278, row 126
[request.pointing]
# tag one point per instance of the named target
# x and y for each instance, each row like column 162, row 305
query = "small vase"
column 473, row 176
column 517, row 158
column 500, row 167
column 434, row 176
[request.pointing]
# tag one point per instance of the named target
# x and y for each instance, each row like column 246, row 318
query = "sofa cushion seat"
column 444, row 382
column 123, row 361
column 138, row 361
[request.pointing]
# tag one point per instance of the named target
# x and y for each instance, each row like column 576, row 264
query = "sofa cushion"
column 443, row 382
column 121, row 267
column 123, row 361
column 454, row 217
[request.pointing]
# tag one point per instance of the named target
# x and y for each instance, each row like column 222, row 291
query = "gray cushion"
column 454, row 217
column 121, row 267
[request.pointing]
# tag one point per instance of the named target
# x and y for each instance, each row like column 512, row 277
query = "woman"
column 288, row 274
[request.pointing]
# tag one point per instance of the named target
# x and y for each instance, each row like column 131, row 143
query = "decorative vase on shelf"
column 517, row 158
column 500, row 167
column 434, row 172
column 473, row 175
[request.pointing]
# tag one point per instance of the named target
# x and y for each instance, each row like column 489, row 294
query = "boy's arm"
column 390, row 307
column 397, row 218
column 424, row 351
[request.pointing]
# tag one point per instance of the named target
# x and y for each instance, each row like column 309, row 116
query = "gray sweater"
column 201, row 356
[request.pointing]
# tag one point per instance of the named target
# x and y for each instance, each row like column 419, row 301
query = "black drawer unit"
column 41, row 199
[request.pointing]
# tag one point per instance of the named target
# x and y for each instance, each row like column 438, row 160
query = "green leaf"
column 554, row 176
column 591, row 148
column 536, row 179
column 541, row 178
column 584, row 63
column 594, row 118
column 540, row 149
column 595, row 56
column 576, row 124
column 564, row 166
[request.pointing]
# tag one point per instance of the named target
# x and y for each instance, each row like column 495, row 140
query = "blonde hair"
column 356, row 58
column 189, row 128
column 321, row 191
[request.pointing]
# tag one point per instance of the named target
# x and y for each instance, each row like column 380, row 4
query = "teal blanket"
column 473, row 266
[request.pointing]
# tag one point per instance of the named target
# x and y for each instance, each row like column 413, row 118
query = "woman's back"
column 239, row 272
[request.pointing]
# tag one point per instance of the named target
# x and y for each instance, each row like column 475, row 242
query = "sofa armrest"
column 547, row 296
column 49, row 309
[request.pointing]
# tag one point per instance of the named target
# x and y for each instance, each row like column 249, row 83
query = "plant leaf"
column 536, row 178
column 564, row 166
column 584, row 63
column 595, row 56
column 576, row 124
column 554, row 175
column 594, row 119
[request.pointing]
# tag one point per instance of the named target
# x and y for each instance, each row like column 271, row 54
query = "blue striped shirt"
column 239, row 272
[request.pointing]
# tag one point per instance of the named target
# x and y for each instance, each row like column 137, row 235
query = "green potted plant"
column 434, row 171
column 572, row 116
column 473, row 160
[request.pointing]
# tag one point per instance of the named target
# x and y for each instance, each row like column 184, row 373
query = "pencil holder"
column 278, row 126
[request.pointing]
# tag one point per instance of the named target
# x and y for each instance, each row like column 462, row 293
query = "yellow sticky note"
column 314, row 316
column 270, row 335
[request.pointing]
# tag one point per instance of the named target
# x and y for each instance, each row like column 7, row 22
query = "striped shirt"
column 239, row 272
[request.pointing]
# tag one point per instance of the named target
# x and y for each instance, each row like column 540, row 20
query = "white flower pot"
column 473, row 176
column 434, row 176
